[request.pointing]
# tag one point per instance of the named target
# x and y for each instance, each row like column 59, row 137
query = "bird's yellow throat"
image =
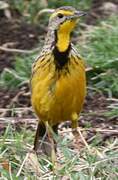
column 63, row 35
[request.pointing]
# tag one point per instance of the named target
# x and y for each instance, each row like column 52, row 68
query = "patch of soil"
column 95, row 101
column 15, row 98
column 100, row 10
column 19, row 34
column 6, row 60
column 5, row 97
column 16, row 34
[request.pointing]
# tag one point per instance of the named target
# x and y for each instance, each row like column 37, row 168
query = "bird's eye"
column 60, row 15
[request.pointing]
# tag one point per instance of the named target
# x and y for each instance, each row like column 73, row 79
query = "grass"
column 85, row 4
column 98, row 163
column 100, row 51
column 14, row 78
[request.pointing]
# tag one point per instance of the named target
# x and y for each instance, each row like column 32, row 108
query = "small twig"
column 113, row 106
column 112, row 146
column 1, row 155
column 46, row 10
column 47, row 175
column 89, row 69
column 42, row 12
column 33, row 164
column 21, row 167
column 83, row 167
column 15, row 109
column 10, row 140
column 14, row 74
column 99, row 75
column 83, row 139
column 112, row 99
column 10, row 173
column 94, row 89
column 104, row 130
column 17, row 120
column 93, row 129
column 19, row 50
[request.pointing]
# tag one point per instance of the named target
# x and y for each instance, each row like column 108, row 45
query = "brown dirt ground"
column 16, row 34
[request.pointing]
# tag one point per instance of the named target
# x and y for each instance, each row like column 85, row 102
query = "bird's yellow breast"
column 56, row 95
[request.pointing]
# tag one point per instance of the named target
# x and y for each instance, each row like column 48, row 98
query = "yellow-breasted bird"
column 58, row 82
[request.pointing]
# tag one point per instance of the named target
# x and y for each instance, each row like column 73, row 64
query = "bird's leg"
column 40, row 132
column 74, row 122
column 79, row 138
column 50, row 136
column 55, row 130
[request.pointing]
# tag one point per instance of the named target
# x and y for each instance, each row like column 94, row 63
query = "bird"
column 58, row 80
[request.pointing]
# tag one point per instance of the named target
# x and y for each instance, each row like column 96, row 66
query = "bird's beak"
column 78, row 14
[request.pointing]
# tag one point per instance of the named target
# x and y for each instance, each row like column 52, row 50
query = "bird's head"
column 62, row 21
column 65, row 18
